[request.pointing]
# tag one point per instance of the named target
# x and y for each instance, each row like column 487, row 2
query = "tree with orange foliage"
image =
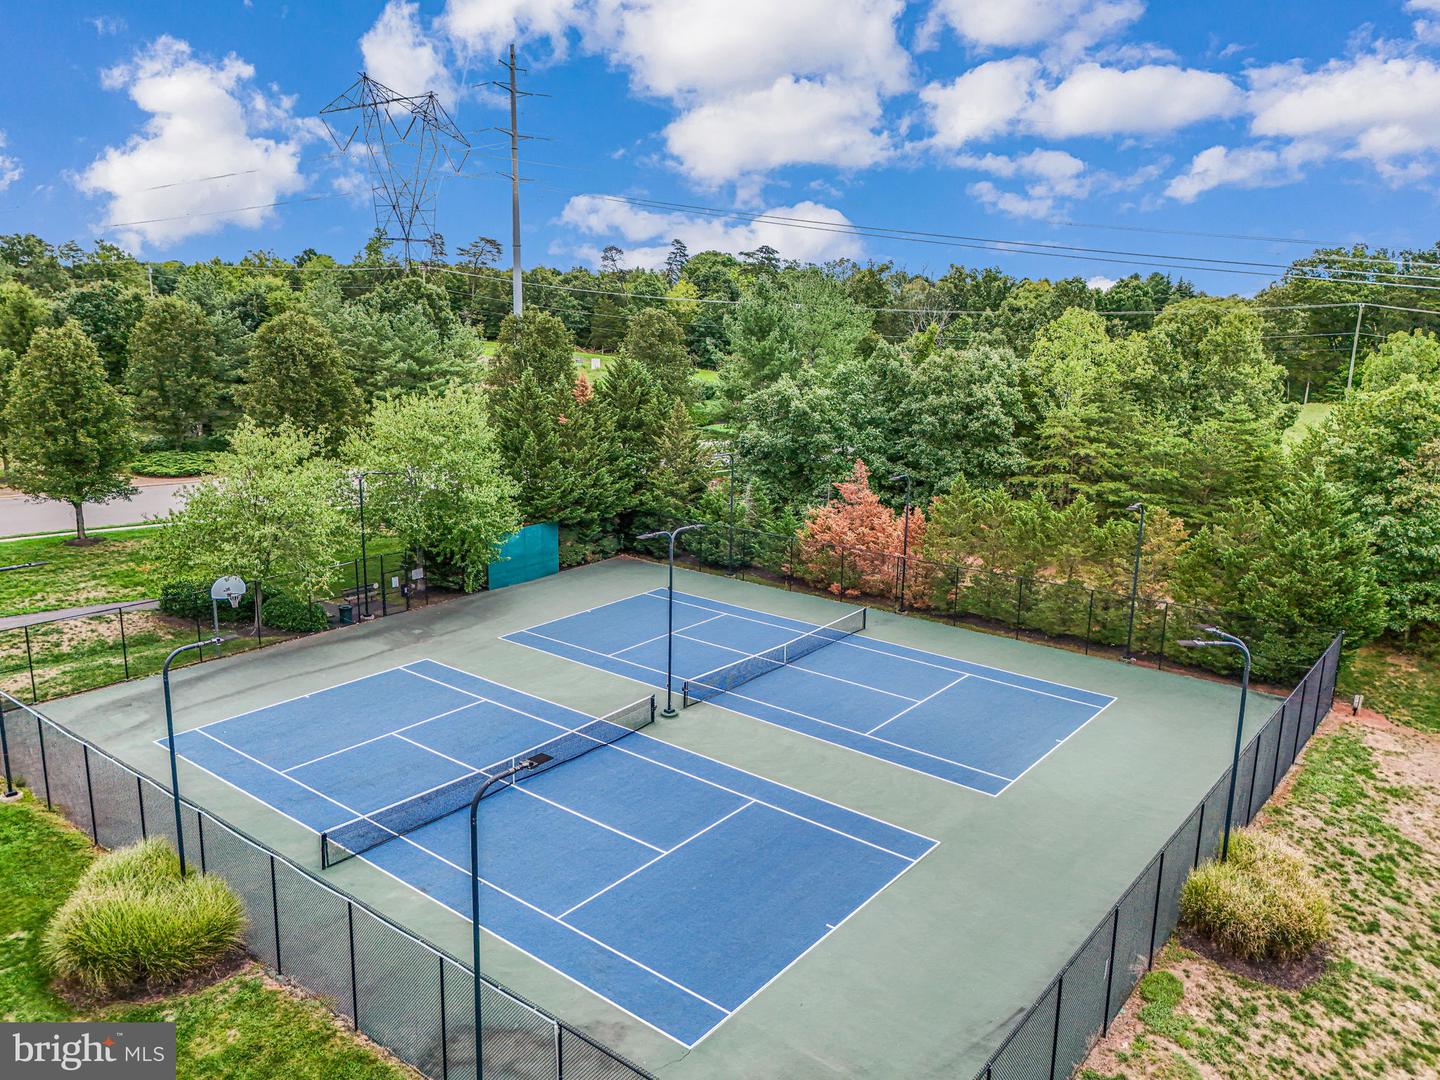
column 851, row 545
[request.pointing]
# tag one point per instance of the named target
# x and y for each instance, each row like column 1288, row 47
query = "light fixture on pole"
column 170, row 740
column 670, row 712
column 534, row 761
column 1221, row 640
column 1135, row 578
column 905, row 541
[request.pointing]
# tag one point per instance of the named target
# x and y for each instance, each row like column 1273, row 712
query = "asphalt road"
column 19, row 515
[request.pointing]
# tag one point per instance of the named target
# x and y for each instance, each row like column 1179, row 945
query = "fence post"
column 275, row 913
column 1089, row 620
column 1199, row 835
column 1164, row 625
column 842, row 571
column 1110, row 974
column 354, row 986
column 444, row 1027
column 1155, row 915
column 1019, row 601
column 124, row 649
column 1055, row 1034
column 30, row 663
column 790, row 567
column 140, row 802
column 90, row 793
column 384, row 610
column 955, row 597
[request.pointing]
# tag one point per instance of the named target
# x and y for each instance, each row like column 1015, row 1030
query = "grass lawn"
column 1311, row 415
column 1405, row 686
column 243, row 1027
column 109, row 571
column 1364, row 807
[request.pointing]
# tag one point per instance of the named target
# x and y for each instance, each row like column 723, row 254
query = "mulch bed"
column 1286, row 974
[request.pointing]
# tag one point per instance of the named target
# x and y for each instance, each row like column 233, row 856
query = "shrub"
column 294, row 616
column 184, row 599
column 133, row 923
column 172, row 463
column 1263, row 904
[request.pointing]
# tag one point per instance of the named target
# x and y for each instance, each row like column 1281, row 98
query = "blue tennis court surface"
column 670, row 884
column 972, row 725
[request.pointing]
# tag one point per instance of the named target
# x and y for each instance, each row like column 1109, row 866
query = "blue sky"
column 1035, row 120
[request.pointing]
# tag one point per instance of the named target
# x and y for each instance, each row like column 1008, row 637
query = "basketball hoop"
column 228, row 588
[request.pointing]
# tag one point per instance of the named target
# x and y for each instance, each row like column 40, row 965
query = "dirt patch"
column 1287, row 974
column 83, row 1001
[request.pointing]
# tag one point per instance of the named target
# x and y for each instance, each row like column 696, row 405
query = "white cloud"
column 399, row 53
column 486, row 27
column 758, row 85
column 1148, row 100
column 1067, row 25
column 984, row 101
column 699, row 48
column 106, row 25
column 10, row 169
column 790, row 122
column 204, row 118
column 1248, row 166
column 646, row 234
column 1006, row 97
column 1100, row 283
column 1012, row 203
column 1374, row 107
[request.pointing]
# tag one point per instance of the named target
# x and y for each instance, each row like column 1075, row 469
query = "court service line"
column 657, row 637
column 694, row 753
column 525, row 789
column 652, row 862
column 917, row 704
column 804, row 716
column 852, row 643
column 741, row 652
column 377, row 738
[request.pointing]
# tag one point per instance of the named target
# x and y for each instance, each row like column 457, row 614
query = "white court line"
column 917, row 704
column 805, row 716
column 652, row 862
column 806, row 952
column 457, row 912
column 796, row 665
column 377, row 738
column 1061, row 742
column 525, row 789
column 853, row 644
column 657, row 637
column 466, row 872
column 620, row 747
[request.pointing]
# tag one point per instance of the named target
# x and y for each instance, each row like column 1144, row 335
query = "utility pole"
column 517, row 297
column 1354, row 347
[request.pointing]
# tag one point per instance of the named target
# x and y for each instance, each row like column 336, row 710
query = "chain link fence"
column 1068, row 614
column 51, row 657
column 401, row 992
column 1054, row 1035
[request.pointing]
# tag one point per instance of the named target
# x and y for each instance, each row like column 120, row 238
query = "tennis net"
column 369, row 831
column 726, row 678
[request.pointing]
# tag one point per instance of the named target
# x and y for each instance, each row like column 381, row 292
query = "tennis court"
column 674, row 886
column 972, row 725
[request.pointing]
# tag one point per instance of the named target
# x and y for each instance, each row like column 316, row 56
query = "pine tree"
column 634, row 413
column 681, row 471
column 1407, row 541
column 675, row 260
column 536, row 341
column 655, row 339
column 68, row 432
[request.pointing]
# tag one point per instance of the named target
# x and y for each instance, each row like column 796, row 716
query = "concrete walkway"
column 13, row 622
column 20, row 515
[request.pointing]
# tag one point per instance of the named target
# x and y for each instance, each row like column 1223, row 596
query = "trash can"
column 347, row 614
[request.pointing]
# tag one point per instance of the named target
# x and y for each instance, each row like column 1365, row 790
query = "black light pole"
column 524, row 765
column 170, row 733
column 905, row 540
column 1229, row 641
column 1135, row 578
column 729, row 456
column 669, row 711
column 360, row 476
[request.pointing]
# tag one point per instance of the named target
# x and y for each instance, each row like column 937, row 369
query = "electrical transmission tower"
column 404, row 137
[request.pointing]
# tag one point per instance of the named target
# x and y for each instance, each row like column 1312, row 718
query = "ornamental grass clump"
column 134, row 924
column 1261, row 905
